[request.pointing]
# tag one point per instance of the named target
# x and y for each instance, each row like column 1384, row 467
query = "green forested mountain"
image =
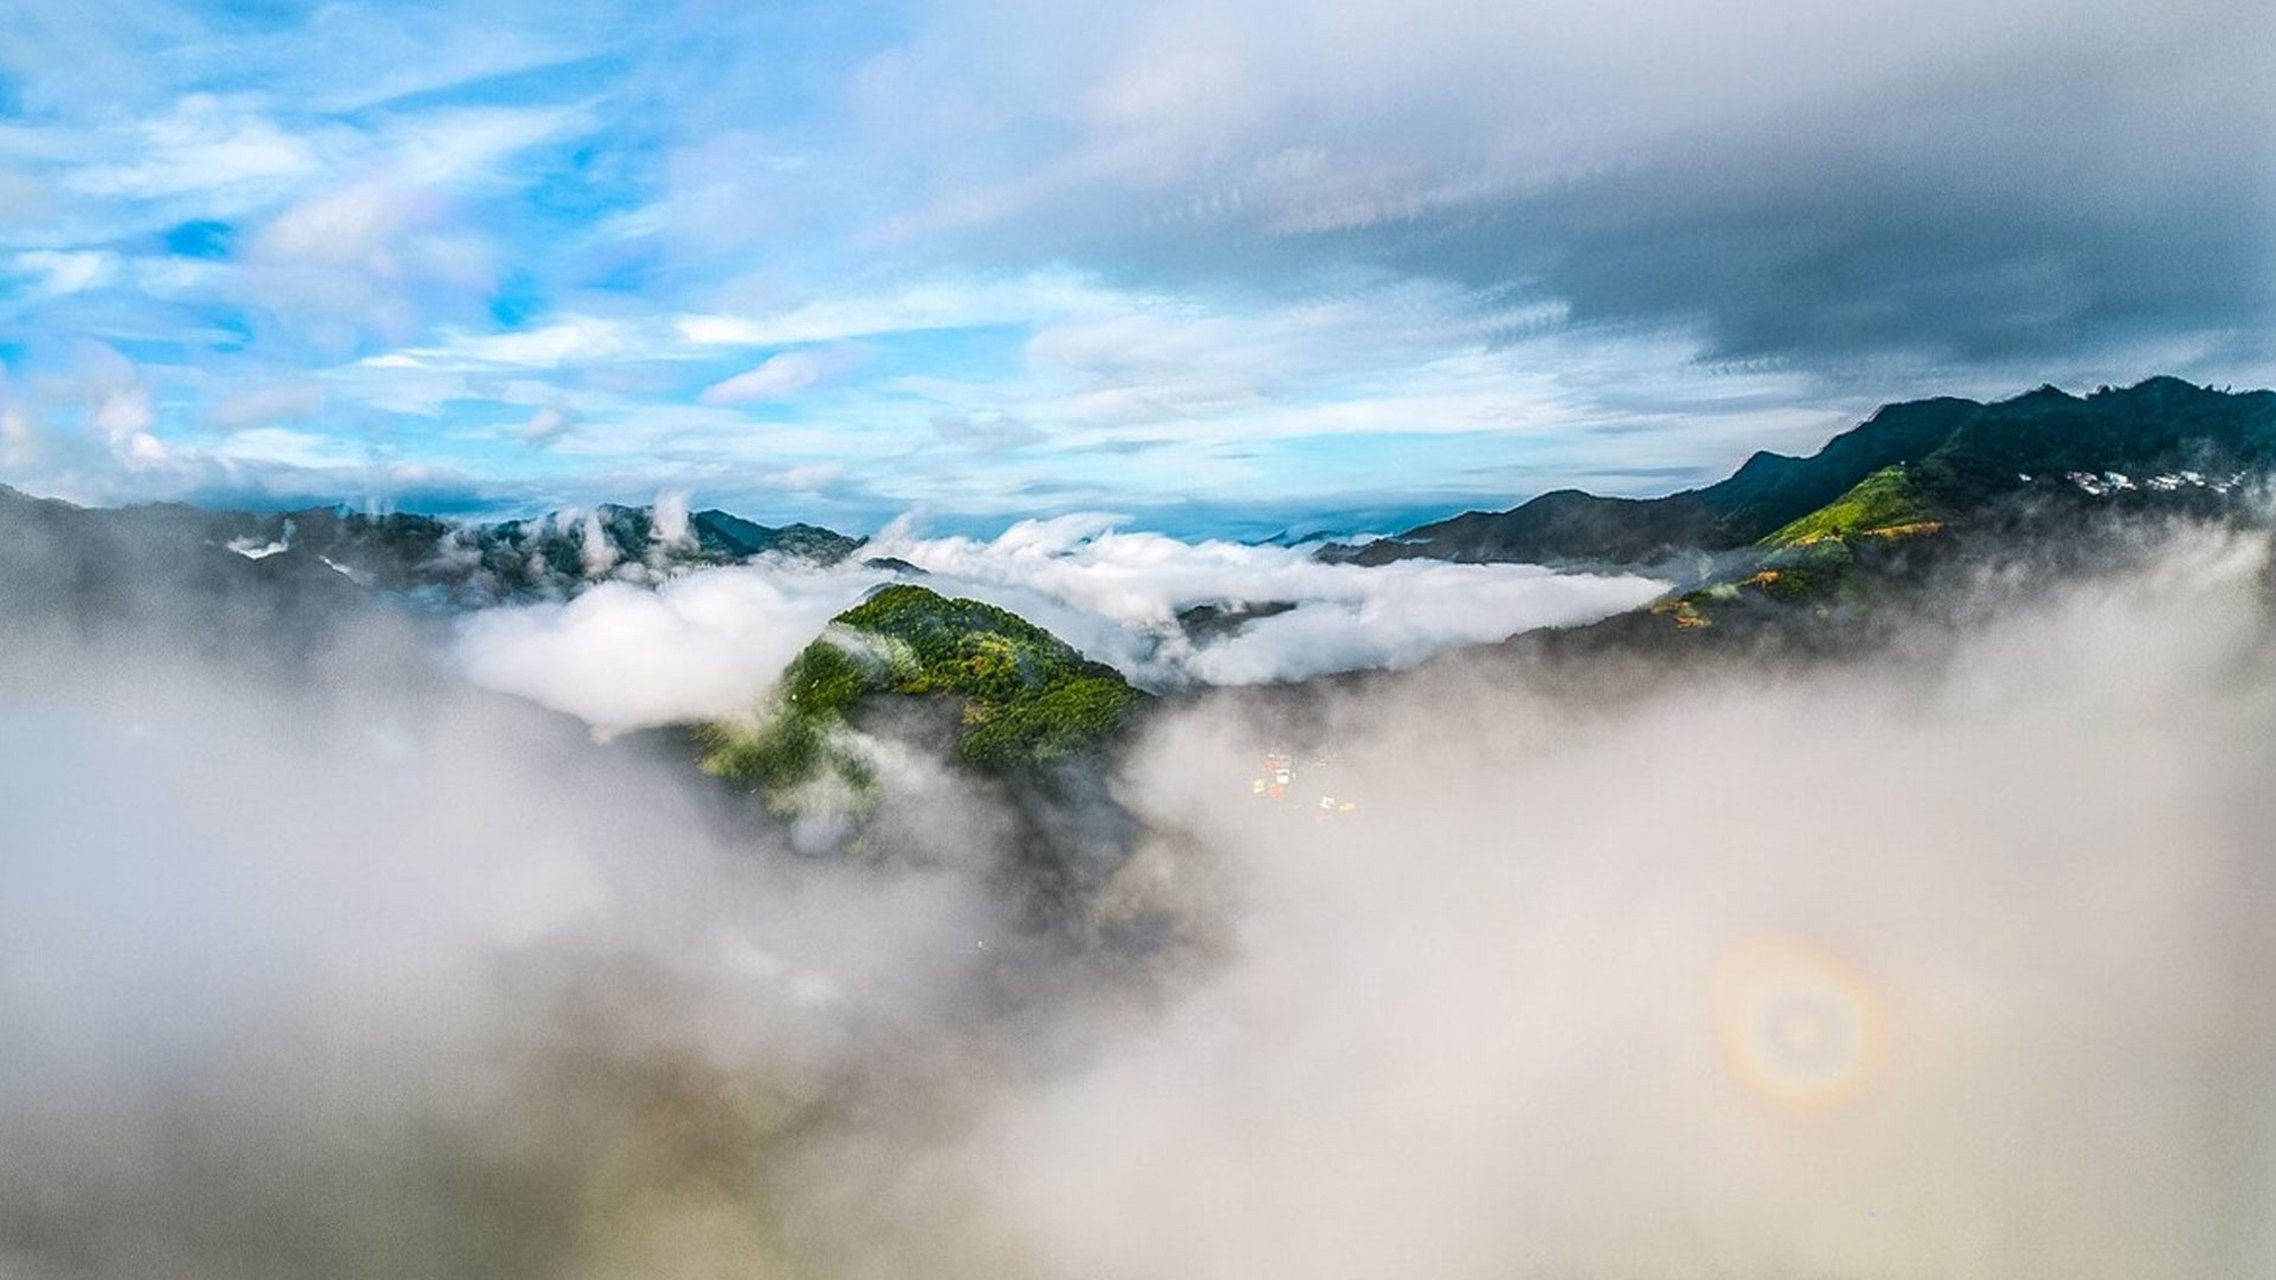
column 1012, row 694
column 1959, row 454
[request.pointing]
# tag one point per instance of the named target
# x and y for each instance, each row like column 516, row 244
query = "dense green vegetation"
column 718, row 533
column 800, row 739
column 1813, row 560
column 1885, row 502
column 2163, row 424
column 1022, row 696
column 1958, row 455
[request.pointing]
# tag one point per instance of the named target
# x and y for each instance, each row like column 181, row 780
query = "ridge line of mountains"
column 1798, row 548
column 2162, row 435
column 441, row 561
column 1909, row 467
column 1785, row 556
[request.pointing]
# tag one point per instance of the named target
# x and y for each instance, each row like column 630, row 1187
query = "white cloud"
column 385, row 232
column 267, row 403
column 941, row 304
column 370, row 260
column 670, row 513
column 621, row 656
column 124, row 414
column 291, row 448
column 708, row 644
column 570, row 340
column 469, row 146
column 58, row 272
column 594, row 549
column 779, row 377
column 545, row 426
column 206, row 144
column 143, row 450
column 1117, row 596
column 19, row 440
column 346, row 226
column 808, row 478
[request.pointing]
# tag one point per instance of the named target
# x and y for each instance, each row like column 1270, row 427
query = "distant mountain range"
column 2160, row 440
column 1792, row 550
column 450, row 562
column 2160, row 436
column 1781, row 527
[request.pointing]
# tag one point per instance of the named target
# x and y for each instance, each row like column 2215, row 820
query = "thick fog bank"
column 1953, row 962
column 1949, row 961
column 322, row 964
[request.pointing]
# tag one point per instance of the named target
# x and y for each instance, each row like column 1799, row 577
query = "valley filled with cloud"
column 1940, row 960
column 708, row 644
column 1231, row 640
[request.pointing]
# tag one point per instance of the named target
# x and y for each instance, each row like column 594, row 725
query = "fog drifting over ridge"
column 1947, row 961
column 708, row 644
column 1950, row 964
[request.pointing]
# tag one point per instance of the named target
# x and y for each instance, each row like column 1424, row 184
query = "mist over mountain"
column 1140, row 640
column 1640, row 947
column 456, row 563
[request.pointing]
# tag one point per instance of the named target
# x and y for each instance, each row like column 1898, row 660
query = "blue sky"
column 1219, row 265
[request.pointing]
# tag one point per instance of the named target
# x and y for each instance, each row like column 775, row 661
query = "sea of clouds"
column 1946, row 959
column 709, row 643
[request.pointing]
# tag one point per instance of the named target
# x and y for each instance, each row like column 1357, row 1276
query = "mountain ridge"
column 1967, row 453
column 458, row 562
column 1018, row 697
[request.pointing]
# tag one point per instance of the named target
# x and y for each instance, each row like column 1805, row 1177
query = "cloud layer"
column 707, row 645
column 1947, row 959
column 1921, row 967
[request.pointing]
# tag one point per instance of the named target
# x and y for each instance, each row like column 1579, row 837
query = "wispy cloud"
column 782, row 376
column 227, row 151
column 1193, row 237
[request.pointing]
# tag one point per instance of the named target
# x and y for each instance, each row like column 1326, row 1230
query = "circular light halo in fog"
column 1796, row 1025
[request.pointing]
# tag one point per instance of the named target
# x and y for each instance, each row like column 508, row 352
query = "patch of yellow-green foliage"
column 1884, row 502
column 1025, row 696
column 1812, row 569
column 1804, row 570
